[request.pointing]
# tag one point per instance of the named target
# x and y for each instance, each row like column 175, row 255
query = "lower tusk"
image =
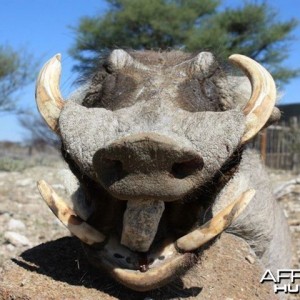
column 216, row 225
column 67, row 216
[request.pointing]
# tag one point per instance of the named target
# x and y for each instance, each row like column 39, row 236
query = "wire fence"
column 279, row 146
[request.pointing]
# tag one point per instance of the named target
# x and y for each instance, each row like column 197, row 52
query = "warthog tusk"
column 216, row 225
column 260, row 106
column 47, row 93
column 67, row 216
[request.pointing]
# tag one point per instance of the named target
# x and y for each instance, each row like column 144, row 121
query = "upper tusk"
column 47, row 92
column 67, row 216
column 216, row 225
column 260, row 106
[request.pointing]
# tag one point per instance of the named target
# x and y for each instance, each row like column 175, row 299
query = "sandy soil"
column 23, row 212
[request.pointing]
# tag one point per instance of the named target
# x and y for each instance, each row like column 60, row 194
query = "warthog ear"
column 260, row 106
column 47, row 92
column 120, row 59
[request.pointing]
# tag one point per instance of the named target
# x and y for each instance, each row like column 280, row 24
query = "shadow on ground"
column 63, row 260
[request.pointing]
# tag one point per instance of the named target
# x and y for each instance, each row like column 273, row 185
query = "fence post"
column 263, row 144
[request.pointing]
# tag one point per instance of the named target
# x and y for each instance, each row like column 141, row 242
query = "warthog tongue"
column 140, row 224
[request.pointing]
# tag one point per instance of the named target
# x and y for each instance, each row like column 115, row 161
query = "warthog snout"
column 147, row 166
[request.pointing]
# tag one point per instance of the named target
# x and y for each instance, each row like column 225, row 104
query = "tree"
column 38, row 133
column 16, row 71
column 252, row 29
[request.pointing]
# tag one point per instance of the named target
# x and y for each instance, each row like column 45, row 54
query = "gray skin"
column 165, row 127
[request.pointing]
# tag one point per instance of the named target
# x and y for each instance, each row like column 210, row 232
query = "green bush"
column 18, row 164
column 13, row 164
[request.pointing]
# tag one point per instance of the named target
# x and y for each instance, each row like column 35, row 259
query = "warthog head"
column 152, row 138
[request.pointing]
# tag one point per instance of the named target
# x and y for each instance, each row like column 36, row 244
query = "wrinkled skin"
column 155, row 142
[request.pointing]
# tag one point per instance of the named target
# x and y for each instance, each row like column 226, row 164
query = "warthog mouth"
column 140, row 271
column 167, row 256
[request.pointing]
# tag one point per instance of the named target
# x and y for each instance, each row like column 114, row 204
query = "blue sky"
column 43, row 27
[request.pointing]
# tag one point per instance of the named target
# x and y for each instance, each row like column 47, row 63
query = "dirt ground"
column 21, row 202
column 26, row 221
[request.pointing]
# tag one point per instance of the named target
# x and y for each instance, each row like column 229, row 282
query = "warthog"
column 157, row 141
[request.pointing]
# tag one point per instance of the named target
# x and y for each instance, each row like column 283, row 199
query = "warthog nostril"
column 113, row 169
column 184, row 169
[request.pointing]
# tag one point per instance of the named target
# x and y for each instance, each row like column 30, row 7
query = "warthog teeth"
column 216, row 225
column 67, row 216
